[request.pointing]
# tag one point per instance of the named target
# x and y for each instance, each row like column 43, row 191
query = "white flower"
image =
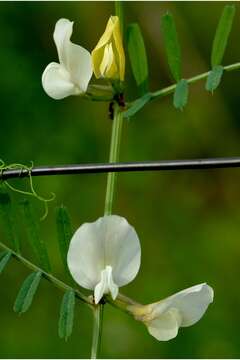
column 74, row 71
column 185, row 308
column 104, row 255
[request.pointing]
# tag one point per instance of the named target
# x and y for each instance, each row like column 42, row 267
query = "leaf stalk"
column 51, row 278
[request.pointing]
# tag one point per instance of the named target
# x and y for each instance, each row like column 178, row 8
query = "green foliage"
column 181, row 94
column 26, row 293
column 222, row 33
column 4, row 258
column 214, row 78
column 138, row 57
column 37, row 244
column 172, row 45
column 64, row 231
column 197, row 208
column 137, row 105
column 65, row 324
column 9, row 219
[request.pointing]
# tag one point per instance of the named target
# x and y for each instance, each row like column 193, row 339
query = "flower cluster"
column 106, row 254
column 73, row 73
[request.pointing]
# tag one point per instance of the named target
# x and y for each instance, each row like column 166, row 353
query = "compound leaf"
column 26, row 293
column 9, row 219
column 180, row 97
column 4, row 258
column 137, row 105
column 214, row 78
column 138, row 57
column 37, row 244
column 222, row 34
column 65, row 324
column 172, row 45
column 64, row 231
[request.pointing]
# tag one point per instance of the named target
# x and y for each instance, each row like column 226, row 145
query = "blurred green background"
column 188, row 221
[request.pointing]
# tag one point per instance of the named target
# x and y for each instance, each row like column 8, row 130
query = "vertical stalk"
column 97, row 331
column 119, row 13
column 114, row 157
column 111, row 185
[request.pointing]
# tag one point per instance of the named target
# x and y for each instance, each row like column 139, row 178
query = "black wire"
column 195, row 164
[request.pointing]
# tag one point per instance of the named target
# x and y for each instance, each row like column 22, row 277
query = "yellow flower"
column 108, row 57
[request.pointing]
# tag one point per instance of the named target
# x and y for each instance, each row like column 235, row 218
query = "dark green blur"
column 188, row 221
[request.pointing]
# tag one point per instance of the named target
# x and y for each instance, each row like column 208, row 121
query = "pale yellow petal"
column 108, row 56
column 119, row 47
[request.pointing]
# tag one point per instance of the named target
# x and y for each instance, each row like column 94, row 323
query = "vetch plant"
column 105, row 255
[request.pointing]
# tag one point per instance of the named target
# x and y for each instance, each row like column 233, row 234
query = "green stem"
column 170, row 89
column 52, row 279
column 114, row 157
column 111, row 184
column 119, row 13
column 97, row 331
column 122, row 302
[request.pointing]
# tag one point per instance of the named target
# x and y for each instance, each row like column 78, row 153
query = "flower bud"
column 108, row 57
